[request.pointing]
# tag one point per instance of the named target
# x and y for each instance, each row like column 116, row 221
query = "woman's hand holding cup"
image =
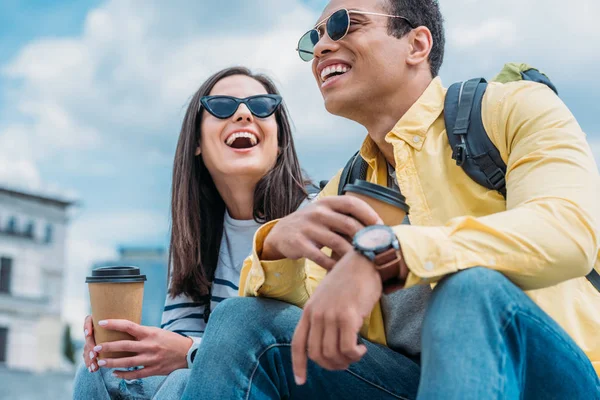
column 160, row 352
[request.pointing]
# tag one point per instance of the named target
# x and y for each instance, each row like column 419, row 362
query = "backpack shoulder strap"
column 594, row 278
column 356, row 168
column 534, row 75
column 471, row 147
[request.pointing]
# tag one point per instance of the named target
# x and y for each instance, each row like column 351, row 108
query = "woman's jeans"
column 102, row 385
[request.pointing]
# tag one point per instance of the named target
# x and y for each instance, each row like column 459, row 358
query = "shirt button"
column 429, row 266
column 416, row 139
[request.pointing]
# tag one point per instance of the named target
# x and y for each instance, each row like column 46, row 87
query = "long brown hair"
column 197, row 209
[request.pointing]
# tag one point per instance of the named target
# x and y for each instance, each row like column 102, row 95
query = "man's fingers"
column 335, row 360
column 354, row 207
column 332, row 240
column 352, row 351
column 336, row 221
column 315, row 338
column 315, row 254
column 123, row 325
column 299, row 345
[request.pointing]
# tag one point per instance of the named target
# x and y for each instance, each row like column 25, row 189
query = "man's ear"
column 421, row 43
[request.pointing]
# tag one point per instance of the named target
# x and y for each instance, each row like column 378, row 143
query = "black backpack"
column 471, row 147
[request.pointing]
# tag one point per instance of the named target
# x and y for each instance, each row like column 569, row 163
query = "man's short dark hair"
column 420, row 13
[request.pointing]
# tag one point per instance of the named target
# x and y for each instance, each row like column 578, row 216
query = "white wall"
column 32, row 311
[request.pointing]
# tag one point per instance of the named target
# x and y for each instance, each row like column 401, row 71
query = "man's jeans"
column 483, row 338
column 102, row 385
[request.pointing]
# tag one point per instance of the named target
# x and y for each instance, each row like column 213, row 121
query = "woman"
column 235, row 168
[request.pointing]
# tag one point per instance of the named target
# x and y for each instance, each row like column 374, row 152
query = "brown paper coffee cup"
column 115, row 293
column 389, row 204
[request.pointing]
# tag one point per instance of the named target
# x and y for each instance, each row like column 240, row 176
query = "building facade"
column 32, row 268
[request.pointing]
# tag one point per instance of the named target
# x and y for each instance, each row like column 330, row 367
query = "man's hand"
column 333, row 316
column 328, row 222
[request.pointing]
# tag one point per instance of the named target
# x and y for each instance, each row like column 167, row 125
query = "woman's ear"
column 198, row 151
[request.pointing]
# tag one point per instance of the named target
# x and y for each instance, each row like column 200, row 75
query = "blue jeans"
column 483, row 338
column 102, row 385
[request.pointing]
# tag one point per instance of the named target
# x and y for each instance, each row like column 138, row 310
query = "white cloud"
column 491, row 32
column 17, row 172
column 127, row 78
column 119, row 226
column 554, row 34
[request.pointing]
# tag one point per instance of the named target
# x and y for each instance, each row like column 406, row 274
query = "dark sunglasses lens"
column 222, row 107
column 337, row 25
column 307, row 44
column 262, row 107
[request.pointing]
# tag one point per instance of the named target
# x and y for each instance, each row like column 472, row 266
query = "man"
column 490, row 298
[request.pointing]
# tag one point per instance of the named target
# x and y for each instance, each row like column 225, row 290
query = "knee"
column 465, row 299
column 469, row 287
column 251, row 316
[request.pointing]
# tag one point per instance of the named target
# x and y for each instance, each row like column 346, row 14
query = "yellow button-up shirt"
column 544, row 237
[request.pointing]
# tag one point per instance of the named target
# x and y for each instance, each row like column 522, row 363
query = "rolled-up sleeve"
column 280, row 279
column 292, row 281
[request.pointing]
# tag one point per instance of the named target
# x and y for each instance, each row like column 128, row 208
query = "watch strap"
column 388, row 264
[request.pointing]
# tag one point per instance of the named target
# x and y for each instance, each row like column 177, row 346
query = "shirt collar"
column 413, row 126
column 369, row 151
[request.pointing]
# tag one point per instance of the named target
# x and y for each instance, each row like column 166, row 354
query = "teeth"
column 339, row 68
column 237, row 135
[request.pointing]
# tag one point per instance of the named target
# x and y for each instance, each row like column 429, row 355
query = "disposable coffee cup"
column 389, row 204
column 115, row 293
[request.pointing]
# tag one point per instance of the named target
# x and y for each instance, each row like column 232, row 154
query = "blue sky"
column 92, row 93
column 23, row 21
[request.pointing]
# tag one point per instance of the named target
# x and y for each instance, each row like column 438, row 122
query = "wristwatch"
column 380, row 245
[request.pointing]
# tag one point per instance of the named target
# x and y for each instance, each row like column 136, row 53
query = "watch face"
column 374, row 238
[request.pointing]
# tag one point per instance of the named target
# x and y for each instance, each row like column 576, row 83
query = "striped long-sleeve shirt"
column 186, row 317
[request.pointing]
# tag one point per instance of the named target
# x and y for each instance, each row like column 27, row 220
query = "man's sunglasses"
column 223, row 107
column 337, row 26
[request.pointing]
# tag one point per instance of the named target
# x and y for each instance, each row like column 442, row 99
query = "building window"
column 48, row 235
column 5, row 274
column 3, row 343
column 29, row 230
column 12, row 225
